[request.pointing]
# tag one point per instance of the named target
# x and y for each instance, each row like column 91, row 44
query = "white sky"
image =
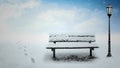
column 34, row 20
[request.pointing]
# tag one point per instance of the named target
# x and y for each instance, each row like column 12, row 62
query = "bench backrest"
column 71, row 38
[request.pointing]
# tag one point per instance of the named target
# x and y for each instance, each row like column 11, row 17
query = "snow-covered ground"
column 21, row 54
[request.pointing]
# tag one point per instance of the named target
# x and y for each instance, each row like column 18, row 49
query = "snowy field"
column 21, row 54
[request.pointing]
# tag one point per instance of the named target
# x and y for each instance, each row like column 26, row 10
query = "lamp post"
column 109, row 13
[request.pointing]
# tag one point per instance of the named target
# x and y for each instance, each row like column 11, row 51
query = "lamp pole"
column 109, row 13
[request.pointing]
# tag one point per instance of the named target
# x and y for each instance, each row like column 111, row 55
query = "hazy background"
column 32, row 19
column 26, row 24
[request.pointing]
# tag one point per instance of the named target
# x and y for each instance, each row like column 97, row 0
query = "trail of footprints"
column 23, row 47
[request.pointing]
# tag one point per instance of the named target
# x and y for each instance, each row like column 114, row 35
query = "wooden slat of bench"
column 71, row 47
column 70, row 35
column 72, row 41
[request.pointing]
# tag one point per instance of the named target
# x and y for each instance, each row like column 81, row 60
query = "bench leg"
column 53, row 53
column 91, row 52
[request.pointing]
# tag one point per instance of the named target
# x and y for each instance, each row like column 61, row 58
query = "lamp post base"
column 109, row 54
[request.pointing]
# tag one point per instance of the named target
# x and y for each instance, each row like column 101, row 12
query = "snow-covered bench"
column 57, row 39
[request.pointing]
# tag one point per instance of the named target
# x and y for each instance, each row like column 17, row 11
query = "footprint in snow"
column 32, row 60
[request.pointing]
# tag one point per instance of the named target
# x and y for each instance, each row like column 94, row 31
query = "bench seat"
column 72, row 47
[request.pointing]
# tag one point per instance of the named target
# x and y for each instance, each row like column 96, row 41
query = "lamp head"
column 109, row 10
